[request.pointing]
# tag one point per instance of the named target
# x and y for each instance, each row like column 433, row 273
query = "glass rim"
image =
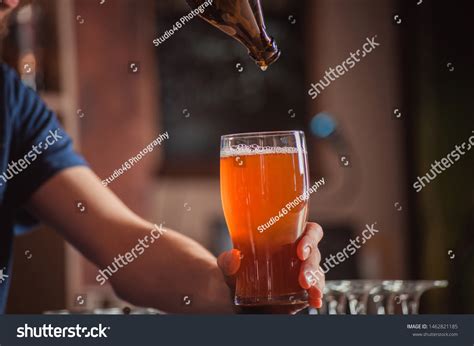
column 261, row 134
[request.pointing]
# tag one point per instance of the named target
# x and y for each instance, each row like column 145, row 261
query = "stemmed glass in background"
column 407, row 293
column 336, row 296
column 386, row 295
column 358, row 295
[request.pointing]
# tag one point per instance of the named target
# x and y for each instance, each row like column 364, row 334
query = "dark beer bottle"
column 243, row 20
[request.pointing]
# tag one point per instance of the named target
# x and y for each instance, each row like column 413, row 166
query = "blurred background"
column 401, row 108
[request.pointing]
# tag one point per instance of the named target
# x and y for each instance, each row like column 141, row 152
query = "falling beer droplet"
column 264, row 67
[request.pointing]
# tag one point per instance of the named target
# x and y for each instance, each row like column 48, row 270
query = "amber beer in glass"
column 260, row 174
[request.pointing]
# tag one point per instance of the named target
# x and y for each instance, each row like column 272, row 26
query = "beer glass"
column 264, row 190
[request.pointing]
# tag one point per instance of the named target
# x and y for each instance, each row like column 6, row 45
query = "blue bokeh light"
column 323, row 125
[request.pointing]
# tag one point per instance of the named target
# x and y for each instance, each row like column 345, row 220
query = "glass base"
column 289, row 299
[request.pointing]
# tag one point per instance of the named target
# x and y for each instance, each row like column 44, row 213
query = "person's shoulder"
column 7, row 73
column 18, row 100
column 7, row 86
column 10, row 81
column 13, row 91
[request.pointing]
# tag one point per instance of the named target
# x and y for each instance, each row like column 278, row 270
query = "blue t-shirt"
column 33, row 148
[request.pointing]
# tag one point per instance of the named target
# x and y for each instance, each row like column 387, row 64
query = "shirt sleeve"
column 39, row 148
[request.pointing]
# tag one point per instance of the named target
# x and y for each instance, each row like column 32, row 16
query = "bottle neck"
column 264, row 54
column 243, row 20
column 265, row 51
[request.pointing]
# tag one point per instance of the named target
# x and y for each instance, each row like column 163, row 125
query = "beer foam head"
column 254, row 149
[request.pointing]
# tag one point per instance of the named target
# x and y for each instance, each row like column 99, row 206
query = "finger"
column 229, row 263
column 310, row 274
column 319, row 281
column 316, row 303
column 314, row 293
column 312, row 236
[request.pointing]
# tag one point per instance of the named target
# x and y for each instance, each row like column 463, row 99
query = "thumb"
column 229, row 263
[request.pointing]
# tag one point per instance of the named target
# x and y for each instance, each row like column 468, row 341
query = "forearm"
column 174, row 274
column 160, row 276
